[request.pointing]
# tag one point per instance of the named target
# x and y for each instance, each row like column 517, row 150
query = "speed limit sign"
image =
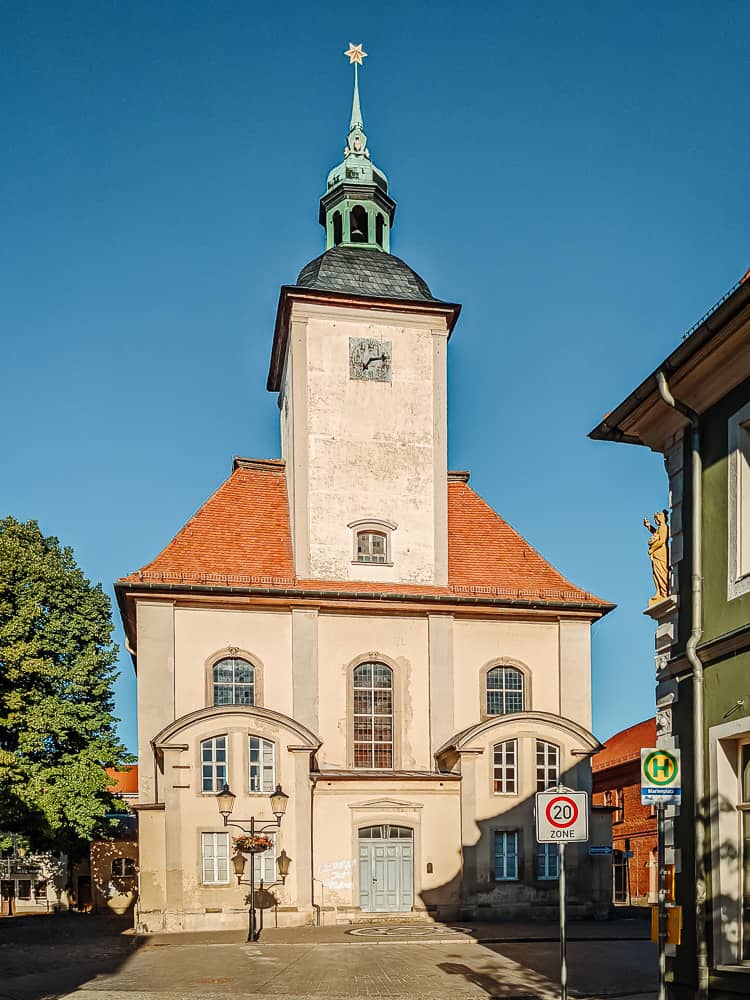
column 562, row 817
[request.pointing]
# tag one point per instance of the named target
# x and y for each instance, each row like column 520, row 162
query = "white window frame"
column 725, row 744
column 503, row 691
column 234, row 685
column 219, row 772
column 510, row 871
column 547, row 862
column 376, row 526
column 738, row 503
column 374, row 744
column 265, row 863
column 547, row 766
column 504, row 759
column 261, row 772
column 215, row 859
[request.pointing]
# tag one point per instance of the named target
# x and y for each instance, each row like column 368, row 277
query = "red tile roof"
column 626, row 745
column 241, row 537
column 124, row 782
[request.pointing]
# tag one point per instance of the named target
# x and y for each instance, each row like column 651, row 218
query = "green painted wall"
column 719, row 615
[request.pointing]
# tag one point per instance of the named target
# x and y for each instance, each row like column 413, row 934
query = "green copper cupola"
column 356, row 209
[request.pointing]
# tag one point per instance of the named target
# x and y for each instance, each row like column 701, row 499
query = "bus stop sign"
column 660, row 777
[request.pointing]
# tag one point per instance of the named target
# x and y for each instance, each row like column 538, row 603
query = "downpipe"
column 691, row 651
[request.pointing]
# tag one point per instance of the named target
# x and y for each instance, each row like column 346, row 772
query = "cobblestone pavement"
column 359, row 967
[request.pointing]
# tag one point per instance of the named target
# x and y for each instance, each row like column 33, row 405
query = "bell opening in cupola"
column 358, row 225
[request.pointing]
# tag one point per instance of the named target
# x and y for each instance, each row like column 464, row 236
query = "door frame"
column 375, row 842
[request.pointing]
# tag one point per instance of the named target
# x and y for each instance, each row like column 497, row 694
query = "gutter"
column 691, row 651
column 300, row 593
column 726, row 309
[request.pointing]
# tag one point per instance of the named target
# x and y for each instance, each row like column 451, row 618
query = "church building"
column 354, row 623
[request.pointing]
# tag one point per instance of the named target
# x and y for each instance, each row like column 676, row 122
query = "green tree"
column 57, row 731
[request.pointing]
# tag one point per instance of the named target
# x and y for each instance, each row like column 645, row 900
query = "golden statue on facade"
column 658, row 553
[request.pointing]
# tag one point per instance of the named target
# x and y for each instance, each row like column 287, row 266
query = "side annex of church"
column 354, row 623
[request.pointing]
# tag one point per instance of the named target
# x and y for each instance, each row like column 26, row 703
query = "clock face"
column 370, row 359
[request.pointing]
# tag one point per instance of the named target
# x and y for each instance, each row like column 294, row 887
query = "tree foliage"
column 57, row 731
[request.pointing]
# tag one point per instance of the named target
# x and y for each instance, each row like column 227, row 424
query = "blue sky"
column 575, row 175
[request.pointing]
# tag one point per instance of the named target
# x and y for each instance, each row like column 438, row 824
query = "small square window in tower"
column 371, row 547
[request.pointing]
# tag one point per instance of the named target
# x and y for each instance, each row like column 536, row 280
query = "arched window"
column 123, row 868
column 373, row 715
column 504, row 691
column 547, row 765
column 372, row 547
column 234, row 682
column 379, row 223
column 338, row 229
column 358, row 225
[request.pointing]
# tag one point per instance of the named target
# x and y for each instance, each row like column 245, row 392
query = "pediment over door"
column 381, row 805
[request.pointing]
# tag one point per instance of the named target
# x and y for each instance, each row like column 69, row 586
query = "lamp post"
column 225, row 801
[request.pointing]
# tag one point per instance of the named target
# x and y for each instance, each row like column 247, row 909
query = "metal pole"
column 251, row 933
column 563, row 928
column 662, row 914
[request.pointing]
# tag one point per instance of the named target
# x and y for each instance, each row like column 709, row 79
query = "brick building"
column 616, row 783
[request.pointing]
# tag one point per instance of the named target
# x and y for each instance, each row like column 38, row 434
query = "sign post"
column 562, row 817
column 661, row 787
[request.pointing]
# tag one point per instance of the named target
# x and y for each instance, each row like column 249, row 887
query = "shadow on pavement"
column 45, row 956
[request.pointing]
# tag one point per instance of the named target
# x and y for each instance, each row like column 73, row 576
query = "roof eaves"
column 732, row 302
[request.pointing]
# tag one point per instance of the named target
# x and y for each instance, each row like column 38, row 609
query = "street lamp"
column 279, row 799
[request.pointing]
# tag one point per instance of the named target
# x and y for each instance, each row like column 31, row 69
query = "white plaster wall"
column 201, row 633
column 476, row 643
column 431, row 810
column 575, row 672
column 365, row 450
column 403, row 643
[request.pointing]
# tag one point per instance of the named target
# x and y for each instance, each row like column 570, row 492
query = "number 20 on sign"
column 562, row 817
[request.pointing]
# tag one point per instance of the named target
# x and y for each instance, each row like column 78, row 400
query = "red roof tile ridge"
column 625, row 746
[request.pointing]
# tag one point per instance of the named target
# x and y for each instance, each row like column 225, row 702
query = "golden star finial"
column 355, row 53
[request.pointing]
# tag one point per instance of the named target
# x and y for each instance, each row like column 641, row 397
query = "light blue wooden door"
column 386, row 870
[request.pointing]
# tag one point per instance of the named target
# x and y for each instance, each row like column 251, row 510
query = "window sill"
column 361, row 562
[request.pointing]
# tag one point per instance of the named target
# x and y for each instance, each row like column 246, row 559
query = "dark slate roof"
column 361, row 271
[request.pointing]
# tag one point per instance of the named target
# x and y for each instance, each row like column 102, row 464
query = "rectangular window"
column 265, row 864
column 547, row 862
column 615, row 798
column 738, row 493
column 215, row 858
column 547, row 765
column 504, row 768
column 506, row 855
column 213, row 764
column 262, row 754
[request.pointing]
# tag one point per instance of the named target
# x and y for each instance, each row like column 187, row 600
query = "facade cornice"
column 345, row 602
column 295, row 293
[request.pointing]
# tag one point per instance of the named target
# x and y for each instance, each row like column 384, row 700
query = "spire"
column 356, row 121
column 356, row 208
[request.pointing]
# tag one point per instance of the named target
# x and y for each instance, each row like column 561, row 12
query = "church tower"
column 359, row 365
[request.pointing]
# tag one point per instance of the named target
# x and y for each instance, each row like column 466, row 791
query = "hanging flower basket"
column 252, row 845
